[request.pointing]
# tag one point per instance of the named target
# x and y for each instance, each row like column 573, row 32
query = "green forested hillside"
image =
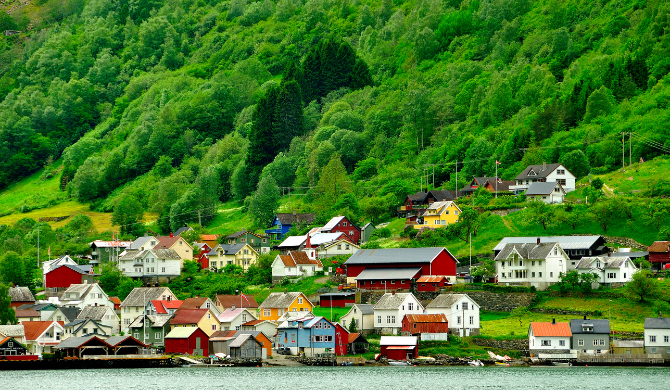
column 172, row 107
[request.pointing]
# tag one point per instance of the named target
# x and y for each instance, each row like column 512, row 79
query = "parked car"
column 284, row 351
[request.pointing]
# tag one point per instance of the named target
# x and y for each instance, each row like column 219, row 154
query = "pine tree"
column 329, row 76
column 332, row 183
column 289, row 121
column 262, row 147
column 344, row 65
column 360, row 76
column 311, row 73
column 293, row 72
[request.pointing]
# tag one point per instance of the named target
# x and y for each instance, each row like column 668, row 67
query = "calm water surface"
column 301, row 378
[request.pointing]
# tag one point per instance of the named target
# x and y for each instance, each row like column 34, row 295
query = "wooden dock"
column 649, row 359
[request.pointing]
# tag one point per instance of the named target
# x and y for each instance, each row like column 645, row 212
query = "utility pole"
column 199, row 218
column 630, row 150
column 38, row 247
column 456, row 178
column 623, row 151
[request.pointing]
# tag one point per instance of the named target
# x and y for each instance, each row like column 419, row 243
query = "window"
column 410, row 306
column 611, row 275
column 653, row 350
column 652, row 339
column 339, row 247
column 392, row 281
column 520, row 262
column 346, row 246
column 351, row 232
column 318, row 339
column 562, row 182
column 561, row 343
column 388, row 319
column 163, row 269
column 393, row 319
column 344, row 224
column 666, row 339
column 458, row 319
column 472, row 320
column 465, row 306
column 293, row 338
column 539, row 274
column 551, row 274
column 595, row 342
column 455, row 212
column 580, row 343
column 213, row 326
column 300, row 301
column 546, row 343
column 532, row 274
column 602, row 342
column 532, row 263
column 560, row 171
column 158, row 335
column 446, row 212
column 379, row 319
column 209, row 316
column 266, row 312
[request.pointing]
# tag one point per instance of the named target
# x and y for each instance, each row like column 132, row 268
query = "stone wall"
column 487, row 301
column 514, row 345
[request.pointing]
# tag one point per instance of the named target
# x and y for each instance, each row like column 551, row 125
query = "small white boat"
column 475, row 363
column 562, row 364
column 398, row 363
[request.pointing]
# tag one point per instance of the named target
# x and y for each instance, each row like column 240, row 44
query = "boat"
column 475, row 363
column 398, row 363
column 502, row 364
column 562, row 364
column 347, row 364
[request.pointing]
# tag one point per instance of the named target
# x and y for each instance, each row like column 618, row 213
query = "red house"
column 387, row 278
column 399, row 347
column 659, row 254
column 336, row 299
column 430, row 283
column 187, row 341
column 67, row 274
column 435, row 261
column 413, row 324
column 341, row 224
column 341, row 340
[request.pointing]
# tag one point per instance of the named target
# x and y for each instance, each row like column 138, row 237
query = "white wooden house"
column 363, row 314
column 610, row 270
column 549, row 337
column 539, row 264
column 461, row 311
column 390, row 310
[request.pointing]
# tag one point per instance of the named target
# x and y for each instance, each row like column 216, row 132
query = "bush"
column 508, row 289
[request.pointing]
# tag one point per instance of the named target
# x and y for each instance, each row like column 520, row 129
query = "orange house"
column 276, row 304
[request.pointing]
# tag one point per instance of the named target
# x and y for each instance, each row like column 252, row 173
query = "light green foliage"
column 7, row 313
column 264, row 202
column 128, row 214
column 642, row 287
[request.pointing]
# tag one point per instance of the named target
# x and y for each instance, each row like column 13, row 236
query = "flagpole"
column 496, row 178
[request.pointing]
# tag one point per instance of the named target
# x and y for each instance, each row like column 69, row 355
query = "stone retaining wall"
column 487, row 301
column 514, row 345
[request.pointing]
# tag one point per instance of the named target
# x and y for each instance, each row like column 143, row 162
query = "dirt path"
column 322, row 280
column 608, row 191
column 509, row 225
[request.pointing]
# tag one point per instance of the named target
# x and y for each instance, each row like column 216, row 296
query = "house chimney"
column 233, row 307
column 544, row 165
column 308, row 243
column 584, row 317
column 285, row 291
column 553, row 321
column 393, row 292
column 171, row 235
column 538, row 241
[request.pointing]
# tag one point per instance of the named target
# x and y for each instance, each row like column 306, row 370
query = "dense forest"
column 175, row 106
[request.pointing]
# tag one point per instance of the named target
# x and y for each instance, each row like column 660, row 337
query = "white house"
column 232, row 319
column 162, row 264
column 136, row 302
column 610, row 270
column 104, row 315
column 461, row 311
column 657, row 336
column 295, row 263
column 547, row 192
column 336, row 248
column 144, row 243
column 51, row 265
column 82, row 295
column 86, row 327
column 268, row 328
column 391, row 309
column 555, row 173
column 41, row 336
column 539, row 264
column 364, row 315
column 549, row 337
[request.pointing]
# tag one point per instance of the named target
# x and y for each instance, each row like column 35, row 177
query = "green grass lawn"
column 33, row 192
column 338, row 312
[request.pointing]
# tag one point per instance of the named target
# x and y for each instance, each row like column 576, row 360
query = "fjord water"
column 429, row 378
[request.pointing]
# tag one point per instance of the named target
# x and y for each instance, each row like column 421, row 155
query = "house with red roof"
column 425, row 324
column 177, row 244
column 163, row 307
column 431, row 283
column 295, row 263
column 224, row 302
column 212, row 240
column 10, row 349
column 27, row 315
column 659, row 255
column 204, row 319
column 117, row 302
column 549, row 337
column 199, row 303
column 344, row 225
column 41, row 336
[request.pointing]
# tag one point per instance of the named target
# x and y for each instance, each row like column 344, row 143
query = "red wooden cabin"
column 424, row 323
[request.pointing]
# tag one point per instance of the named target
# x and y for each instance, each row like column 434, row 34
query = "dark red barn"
column 187, row 341
column 413, row 324
column 336, row 299
column 341, row 340
column 659, row 254
column 435, row 261
column 342, row 224
column 399, row 347
column 68, row 274
column 430, row 283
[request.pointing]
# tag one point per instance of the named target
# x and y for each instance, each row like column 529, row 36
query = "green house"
column 260, row 243
column 157, row 326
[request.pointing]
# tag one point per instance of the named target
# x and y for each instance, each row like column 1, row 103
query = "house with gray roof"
column 45, row 309
column 20, row 296
column 555, row 173
column 17, row 332
column 82, row 295
column 104, row 315
column 65, row 314
column 461, row 310
column 538, row 264
column 144, row 243
column 390, row 310
column 612, row 271
column 136, row 302
column 363, row 314
column 278, row 304
column 157, row 326
column 657, row 336
column 576, row 247
column 151, row 265
column 86, row 327
column 547, row 192
column 590, row 336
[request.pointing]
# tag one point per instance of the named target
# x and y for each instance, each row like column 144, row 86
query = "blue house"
column 283, row 222
column 310, row 336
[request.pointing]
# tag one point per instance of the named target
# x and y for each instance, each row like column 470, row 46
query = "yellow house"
column 178, row 244
column 242, row 255
column 276, row 304
column 440, row 214
column 204, row 319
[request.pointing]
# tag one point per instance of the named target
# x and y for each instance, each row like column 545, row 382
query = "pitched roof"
column 166, row 242
column 317, row 239
column 296, row 258
column 660, row 246
column 448, row 300
column 82, row 269
column 209, row 237
column 333, row 223
column 236, row 234
column 141, row 295
column 253, row 322
column 111, row 244
column 240, row 340
column 76, row 342
column 606, row 262
column 281, row 300
column 480, row 182
column 366, row 308
column 430, row 279
column 189, row 316
column 352, row 337
column 293, row 241
column 543, row 188
column 419, row 196
column 116, row 340
column 442, row 195
column 140, row 241
column 115, row 300
column 21, row 294
column 527, row 251
column 396, row 255
column 27, row 313
column 69, row 312
column 93, row 312
column 163, row 306
column 256, row 333
column 193, row 303
column 391, row 301
column 229, row 249
column 540, row 171
column 657, row 323
column 230, row 314
column 599, row 326
column 398, row 340
column 157, row 321
column 388, row 273
column 34, row 329
column 501, row 186
column 566, row 242
column 547, row 329
column 12, row 330
column 237, row 301
column 181, row 332
column 291, row 218
column 182, row 230
column 426, row 317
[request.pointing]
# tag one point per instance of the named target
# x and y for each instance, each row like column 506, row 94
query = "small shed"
column 337, row 299
column 10, row 347
column 358, row 344
column 413, row 324
column 125, row 345
column 219, row 342
column 399, row 347
column 628, row 347
column 262, row 338
column 189, row 340
column 246, row 346
column 431, row 283
column 83, row 346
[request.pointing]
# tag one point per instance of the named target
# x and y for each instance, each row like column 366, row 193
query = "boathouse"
column 188, row 340
column 399, row 347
